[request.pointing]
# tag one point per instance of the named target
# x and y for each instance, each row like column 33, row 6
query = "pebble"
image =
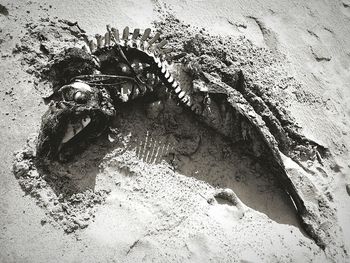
column 348, row 188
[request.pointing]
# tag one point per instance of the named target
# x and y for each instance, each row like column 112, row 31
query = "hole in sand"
column 196, row 151
column 168, row 134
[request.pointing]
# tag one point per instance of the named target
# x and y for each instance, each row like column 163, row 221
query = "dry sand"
column 155, row 184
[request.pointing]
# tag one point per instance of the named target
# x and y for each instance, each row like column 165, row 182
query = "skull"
column 82, row 112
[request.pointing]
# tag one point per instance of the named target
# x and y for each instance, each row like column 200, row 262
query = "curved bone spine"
column 155, row 54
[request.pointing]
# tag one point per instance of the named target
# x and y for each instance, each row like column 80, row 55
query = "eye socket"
column 80, row 97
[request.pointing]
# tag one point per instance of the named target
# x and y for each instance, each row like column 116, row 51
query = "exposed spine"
column 153, row 49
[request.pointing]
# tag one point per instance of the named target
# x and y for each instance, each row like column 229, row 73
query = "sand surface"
column 154, row 186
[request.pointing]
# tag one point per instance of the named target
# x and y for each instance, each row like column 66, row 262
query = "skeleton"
column 130, row 66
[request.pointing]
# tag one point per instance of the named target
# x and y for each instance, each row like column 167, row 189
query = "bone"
column 115, row 33
column 98, row 40
column 167, row 74
column 182, row 94
column 86, row 40
column 154, row 39
column 86, row 48
column 136, row 33
column 146, row 34
column 162, row 43
column 163, row 69
column 170, row 79
column 81, row 86
column 185, row 99
column 175, row 84
column 107, row 39
column 178, row 90
column 166, row 50
column 194, row 108
column 157, row 60
column 124, row 69
column 74, row 129
column 164, row 66
column 126, row 33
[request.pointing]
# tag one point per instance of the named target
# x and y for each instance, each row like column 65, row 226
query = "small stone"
column 348, row 189
column 33, row 174
column 43, row 221
column 20, row 169
column 82, row 224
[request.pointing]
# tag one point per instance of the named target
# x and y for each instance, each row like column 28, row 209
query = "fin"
column 146, row 34
column 136, row 33
column 126, row 33
column 115, row 33
column 154, row 39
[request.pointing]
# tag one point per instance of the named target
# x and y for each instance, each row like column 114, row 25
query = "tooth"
column 73, row 130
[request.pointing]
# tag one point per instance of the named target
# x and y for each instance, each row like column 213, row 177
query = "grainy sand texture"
column 163, row 185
